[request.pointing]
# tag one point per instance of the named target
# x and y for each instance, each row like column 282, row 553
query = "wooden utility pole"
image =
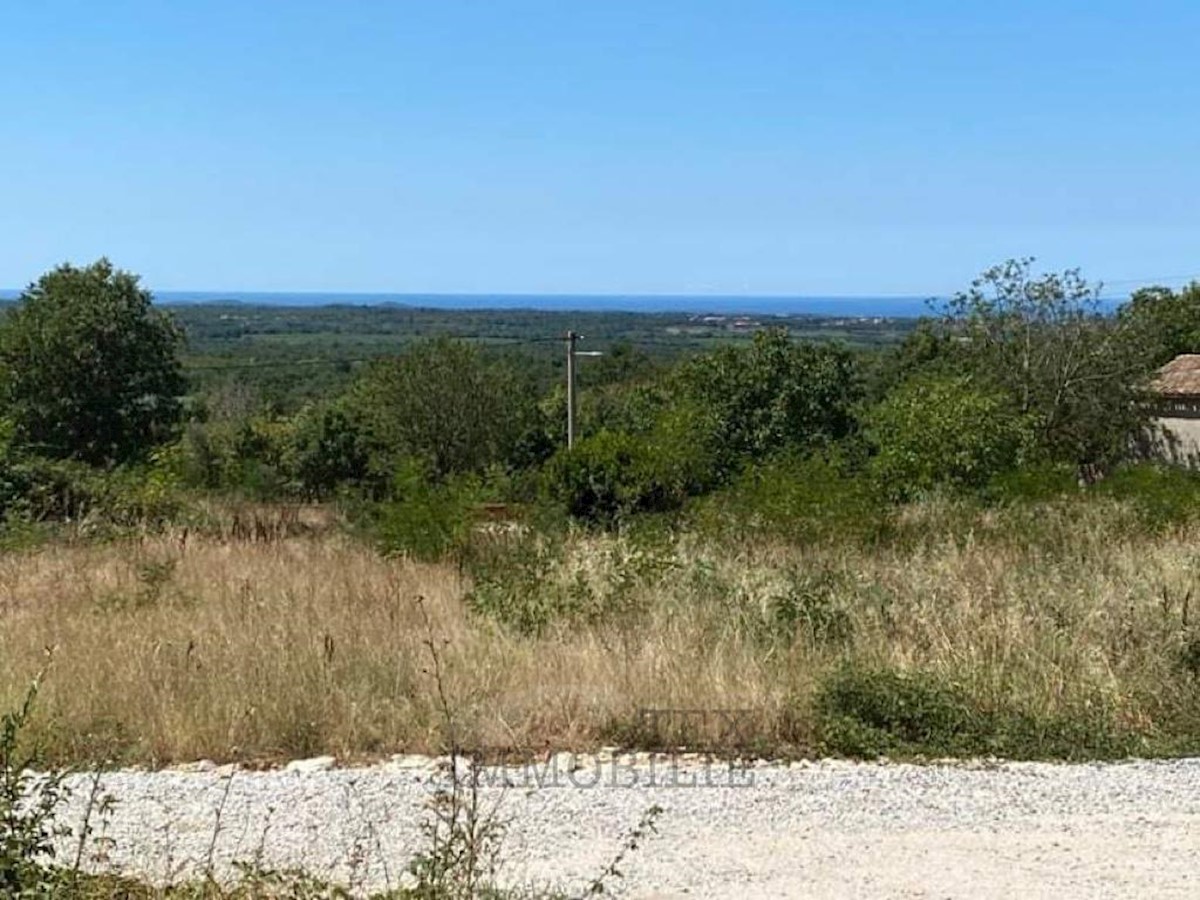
column 572, row 338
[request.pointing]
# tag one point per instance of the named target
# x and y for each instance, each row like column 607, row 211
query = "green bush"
column 528, row 581
column 804, row 500
column 594, row 480
column 770, row 397
column 41, row 490
column 933, row 432
column 514, row 584
column 329, row 451
column 251, row 458
column 29, row 805
column 867, row 712
column 610, row 476
column 423, row 518
column 1160, row 496
column 1032, row 483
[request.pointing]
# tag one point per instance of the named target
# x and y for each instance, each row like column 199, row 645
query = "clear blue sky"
column 599, row 146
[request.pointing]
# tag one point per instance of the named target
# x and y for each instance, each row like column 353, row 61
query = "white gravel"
column 827, row 829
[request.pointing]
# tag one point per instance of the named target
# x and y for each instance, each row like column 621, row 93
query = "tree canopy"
column 1073, row 371
column 1166, row 321
column 772, row 396
column 89, row 369
column 443, row 403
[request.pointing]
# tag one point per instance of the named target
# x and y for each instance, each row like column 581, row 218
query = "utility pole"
column 572, row 338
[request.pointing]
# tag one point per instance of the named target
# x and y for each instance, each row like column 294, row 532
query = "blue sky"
column 660, row 146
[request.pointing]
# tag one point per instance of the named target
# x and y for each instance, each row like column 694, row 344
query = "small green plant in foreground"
column 868, row 712
column 28, row 803
column 424, row 520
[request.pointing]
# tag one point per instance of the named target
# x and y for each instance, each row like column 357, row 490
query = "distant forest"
column 295, row 353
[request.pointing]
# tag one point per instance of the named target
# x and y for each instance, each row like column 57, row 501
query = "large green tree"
column 444, row 403
column 1166, row 321
column 772, row 396
column 89, row 369
column 1071, row 370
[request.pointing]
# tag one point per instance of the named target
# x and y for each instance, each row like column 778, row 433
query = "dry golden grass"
column 169, row 648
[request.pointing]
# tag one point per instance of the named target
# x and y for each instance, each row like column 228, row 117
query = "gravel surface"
column 826, row 829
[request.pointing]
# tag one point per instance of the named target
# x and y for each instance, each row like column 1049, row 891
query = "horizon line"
column 599, row 295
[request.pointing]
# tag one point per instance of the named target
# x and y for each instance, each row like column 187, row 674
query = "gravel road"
column 814, row 830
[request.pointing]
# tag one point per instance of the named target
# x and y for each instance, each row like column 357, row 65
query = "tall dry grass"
column 173, row 648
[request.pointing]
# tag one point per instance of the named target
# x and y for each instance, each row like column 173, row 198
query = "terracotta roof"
column 1179, row 377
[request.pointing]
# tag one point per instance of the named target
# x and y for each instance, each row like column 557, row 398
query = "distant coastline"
column 858, row 307
column 885, row 307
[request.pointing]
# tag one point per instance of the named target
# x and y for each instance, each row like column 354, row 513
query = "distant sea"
column 894, row 307
column 706, row 304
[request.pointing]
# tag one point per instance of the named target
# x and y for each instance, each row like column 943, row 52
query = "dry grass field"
column 176, row 647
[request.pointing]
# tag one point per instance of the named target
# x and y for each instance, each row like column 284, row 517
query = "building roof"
column 1179, row 378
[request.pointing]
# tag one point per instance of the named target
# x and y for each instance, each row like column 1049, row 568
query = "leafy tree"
column 1166, row 322
column 633, row 407
column 1069, row 368
column 928, row 349
column 442, row 402
column 88, row 368
column 950, row 431
column 772, row 396
column 328, row 450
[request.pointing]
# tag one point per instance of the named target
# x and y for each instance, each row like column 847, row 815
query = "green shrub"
column 424, row 519
column 252, row 458
column 199, row 456
column 804, row 500
column 41, row 490
column 1032, row 483
column 1160, row 495
column 598, row 479
column 931, row 432
column 530, row 581
column 610, row 476
column 48, row 490
column 28, row 806
column 868, row 712
column 329, row 451
column 514, row 583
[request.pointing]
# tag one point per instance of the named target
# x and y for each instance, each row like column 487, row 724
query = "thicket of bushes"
column 1017, row 388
